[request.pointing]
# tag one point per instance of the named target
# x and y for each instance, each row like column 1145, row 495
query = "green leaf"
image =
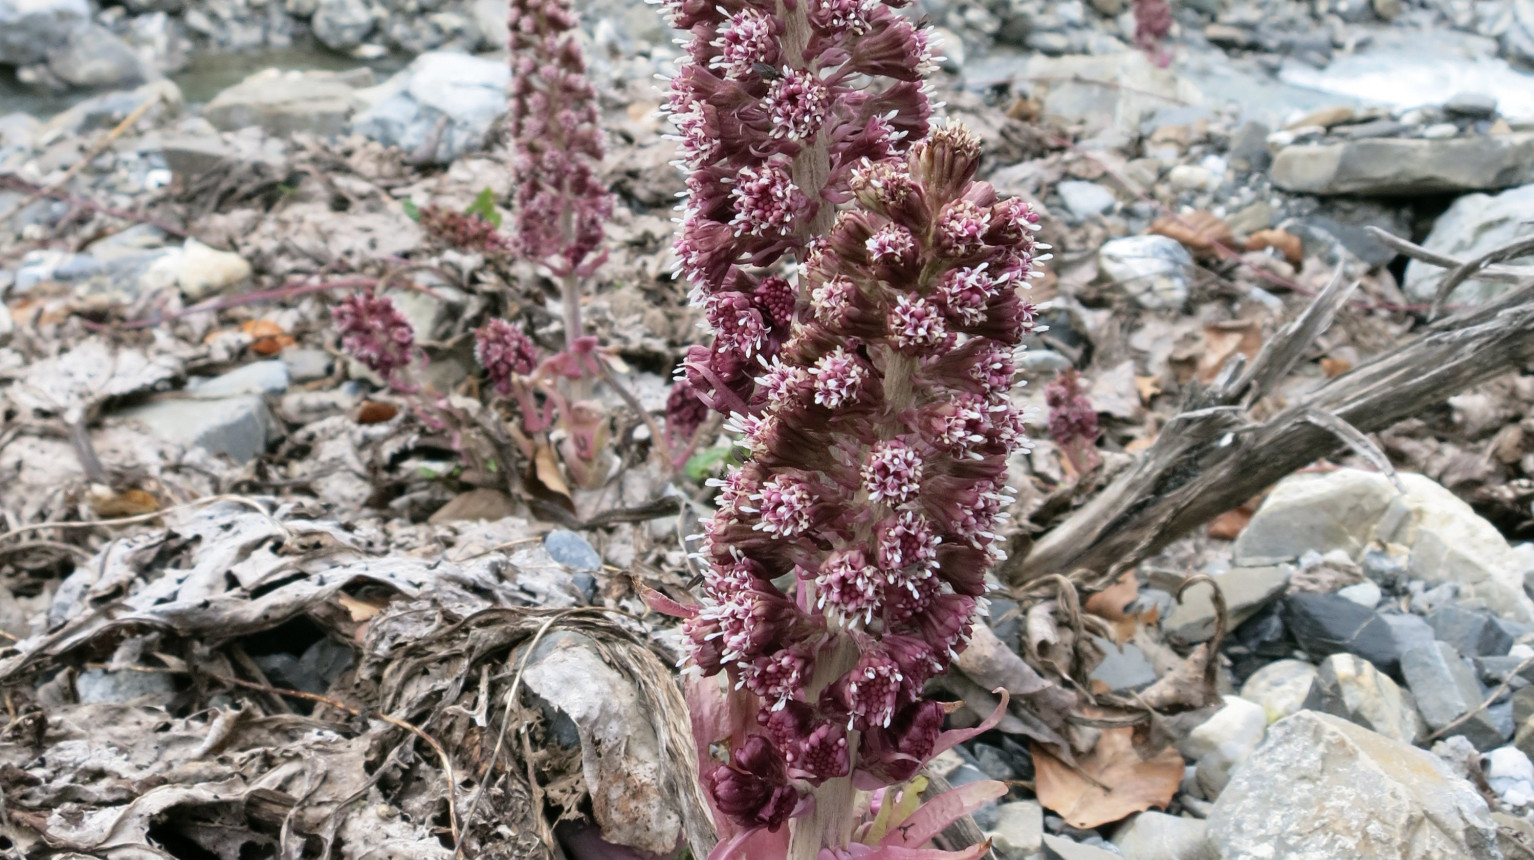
column 704, row 463
column 484, row 207
column 411, row 210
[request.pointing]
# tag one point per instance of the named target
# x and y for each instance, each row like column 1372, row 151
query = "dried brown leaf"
column 1229, row 525
column 1199, row 232
column 374, row 412
column 129, row 503
column 1109, row 783
column 1114, row 603
column 1224, row 340
column 546, row 467
column 1287, row 244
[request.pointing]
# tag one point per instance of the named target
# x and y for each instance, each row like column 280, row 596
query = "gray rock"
column 1158, row 836
column 1472, row 633
column 109, row 109
column 1474, row 105
column 306, row 364
column 260, row 377
column 1221, row 743
column 1445, row 689
column 1060, row 848
column 1351, row 688
column 1409, row 631
column 190, row 156
column 460, row 93
column 30, row 28
column 1124, row 668
column 286, row 102
column 1018, row 833
column 1471, row 226
column 1349, row 509
column 342, row 24
column 93, row 56
column 1326, row 624
column 1155, row 271
column 101, row 685
column 571, row 550
column 1280, row 687
column 1245, row 589
column 1320, row 788
column 1072, row 88
column 1406, row 166
column 237, row 427
column 1085, row 199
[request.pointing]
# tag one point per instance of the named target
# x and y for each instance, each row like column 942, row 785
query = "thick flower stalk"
column 846, row 562
column 561, row 205
column 776, row 104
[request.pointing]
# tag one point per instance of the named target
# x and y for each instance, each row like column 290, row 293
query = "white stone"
column 1364, row 594
column 1158, row 836
column 1019, row 830
column 1190, row 177
column 1280, row 687
column 1321, row 788
column 1155, row 271
column 196, row 270
column 1085, row 199
column 1224, row 741
column 1510, row 774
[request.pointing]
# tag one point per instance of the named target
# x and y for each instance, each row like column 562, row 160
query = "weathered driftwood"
column 1212, row 456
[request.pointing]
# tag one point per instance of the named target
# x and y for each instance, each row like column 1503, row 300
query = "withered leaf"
column 1287, row 244
column 1109, row 783
column 1199, row 232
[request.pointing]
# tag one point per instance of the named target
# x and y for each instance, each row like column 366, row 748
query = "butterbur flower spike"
column 776, row 105
column 374, row 332
column 845, row 562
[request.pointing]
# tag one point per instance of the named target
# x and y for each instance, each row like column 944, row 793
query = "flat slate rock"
column 1327, row 624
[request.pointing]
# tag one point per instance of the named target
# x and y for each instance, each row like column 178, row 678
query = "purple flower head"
column 556, row 141
column 375, row 333
column 1073, row 421
column 878, row 432
column 753, row 788
column 685, row 413
column 504, row 352
column 464, row 232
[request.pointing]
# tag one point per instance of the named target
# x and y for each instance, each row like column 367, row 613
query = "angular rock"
column 1124, row 668
column 1406, row 166
column 1245, row 589
column 238, row 427
column 1072, row 89
column 1280, row 687
column 1471, row 226
column 342, row 24
column 1354, row 690
column 1445, row 689
column 1474, row 105
column 1409, row 630
column 1472, row 633
column 1325, row 624
column 1365, row 594
column 1321, row 788
column 1060, row 848
column 1158, row 836
column 286, row 102
column 1018, row 833
column 1349, row 509
column 94, row 56
column 571, row 550
column 1510, row 774
column 259, row 377
column 30, row 28
column 100, row 685
column 1221, row 743
column 442, row 101
column 1155, row 271
column 1085, row 199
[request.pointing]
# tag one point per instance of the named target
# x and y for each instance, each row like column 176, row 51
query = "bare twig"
column 100, row 147
column 1490, row 700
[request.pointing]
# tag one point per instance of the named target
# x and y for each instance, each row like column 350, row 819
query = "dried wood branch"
column 1212, row 457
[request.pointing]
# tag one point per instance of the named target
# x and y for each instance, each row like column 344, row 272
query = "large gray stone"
column 1019, row 830
column 342, row 24
column 30, row 28
column 93, row 56
column 1406, row 166
column 1158, row 836
column 459, row 93
column 1107, row 90
column 1245, row 589
column 1155, row 271
column 1324, row 624
column 1349, row 509
column 1221, row 743
column 1321, row 788
column 285, row 102
column 1351, row 688
column 1471, row 226
column 1446, row 689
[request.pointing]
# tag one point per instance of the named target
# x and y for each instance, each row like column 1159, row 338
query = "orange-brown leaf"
column 1335, row 367
column 1109, row 783
column 1228, row 526
column 1222, row 341
column 374, row 412
column 129, row 503
column 1113, row 602
column 1286, row 243
column 1199, row 232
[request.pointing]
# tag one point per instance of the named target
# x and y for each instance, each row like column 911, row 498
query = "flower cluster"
column 561, row 204
column 463, row 231
column 505, row 353
column 1153, row 23
column 776, row 104
column 374, row 332
column 846, row 562
column 1073, row 421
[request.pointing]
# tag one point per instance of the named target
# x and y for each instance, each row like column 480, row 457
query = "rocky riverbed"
column 186, row 186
